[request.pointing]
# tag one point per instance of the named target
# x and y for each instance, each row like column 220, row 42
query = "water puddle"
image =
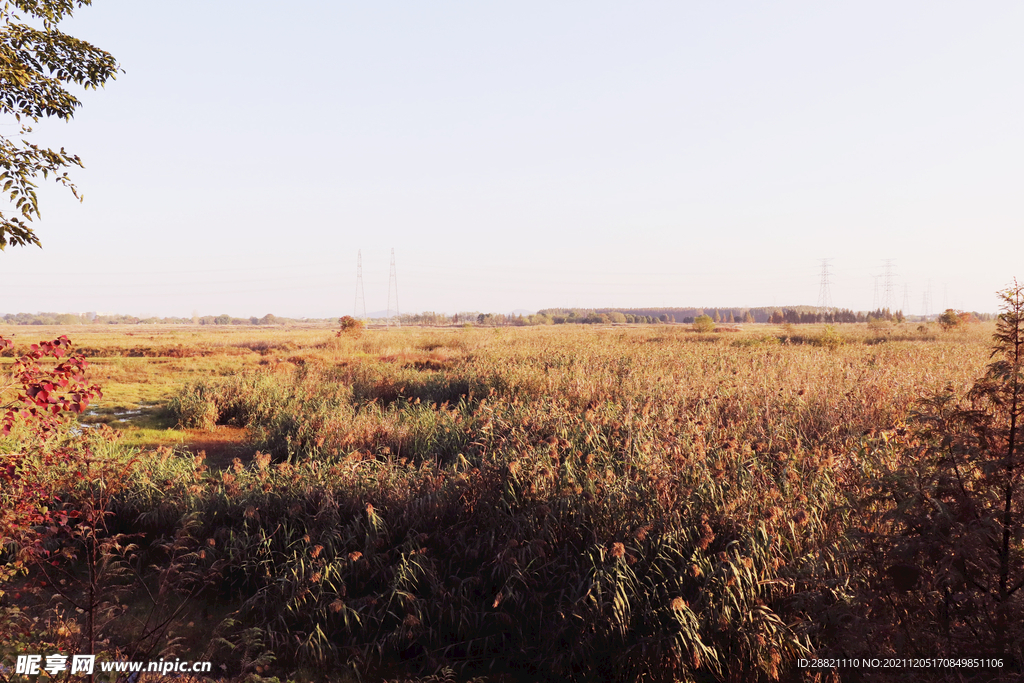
column 97, row 414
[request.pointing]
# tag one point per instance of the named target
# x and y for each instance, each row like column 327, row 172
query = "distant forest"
column 785, row 314
column 779, row 315
column 119, row 319
column 549, row 316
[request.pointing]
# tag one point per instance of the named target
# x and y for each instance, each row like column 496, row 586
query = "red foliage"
column 48, row 392
column 350, row 325
column 46, row 396
column 967, row 317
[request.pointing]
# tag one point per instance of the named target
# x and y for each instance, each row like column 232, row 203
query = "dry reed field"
column 620, row 503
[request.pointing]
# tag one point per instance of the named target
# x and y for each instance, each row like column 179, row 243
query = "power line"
column 359, row 309
column 887, row 286
column 393, row 293
column 825, row 287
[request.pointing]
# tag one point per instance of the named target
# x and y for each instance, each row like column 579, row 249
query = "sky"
column 525, row 155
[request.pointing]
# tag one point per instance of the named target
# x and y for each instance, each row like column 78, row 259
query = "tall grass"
column 611, row 505
column 551, row 504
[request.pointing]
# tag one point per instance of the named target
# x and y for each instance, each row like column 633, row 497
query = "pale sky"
column 534, row 154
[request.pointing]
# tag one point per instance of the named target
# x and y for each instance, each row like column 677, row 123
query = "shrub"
column 953, row 496
column 57, row 487
column 703, row 323
column 968, row 318
column 830, row 338
column 195, row 406
column 949, row 320
column 350, row 326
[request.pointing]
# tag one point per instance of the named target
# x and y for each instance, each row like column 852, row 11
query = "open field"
column 141, row 367
column 547, row 503
column 144, row 365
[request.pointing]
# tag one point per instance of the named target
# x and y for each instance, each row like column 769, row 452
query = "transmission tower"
column 906, row 299
column 393, row 314
column 887, row 286
column 874, row 303
column 359, row 310
column 825, row 288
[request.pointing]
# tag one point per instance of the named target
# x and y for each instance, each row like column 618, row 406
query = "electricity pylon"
column 359, row 309
column 393, row 314
column 887, row 287
column 825, row 288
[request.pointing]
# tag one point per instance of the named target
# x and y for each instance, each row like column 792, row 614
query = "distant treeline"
column 784, row 314
column 118, row 319
column 777, row 315
column 549, row 316
column 590, row 316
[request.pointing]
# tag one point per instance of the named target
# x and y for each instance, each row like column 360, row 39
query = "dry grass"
column 618, row 503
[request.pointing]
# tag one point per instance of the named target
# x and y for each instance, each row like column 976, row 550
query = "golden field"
column 542, row 503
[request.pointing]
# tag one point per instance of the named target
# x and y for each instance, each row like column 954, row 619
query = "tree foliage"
column 38, row 63
column 949, row 319
column 703, row 323
column 59, row 487
column 350, row 326
column 954, row 553
column 45, row 395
